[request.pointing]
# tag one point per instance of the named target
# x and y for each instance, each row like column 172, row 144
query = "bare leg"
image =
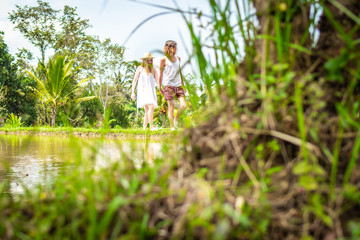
column 146, row 120
column 181, row 110
column 151, row 115
column 171, row 112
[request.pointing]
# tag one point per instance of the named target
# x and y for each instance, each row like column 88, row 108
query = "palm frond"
column 83, row 99
column 40, row 83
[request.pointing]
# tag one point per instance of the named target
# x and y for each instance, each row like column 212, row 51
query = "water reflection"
column 30, row 160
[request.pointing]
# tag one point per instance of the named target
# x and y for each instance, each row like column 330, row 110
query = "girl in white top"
column 146, row 76
column 170, row 76
column 171, row 73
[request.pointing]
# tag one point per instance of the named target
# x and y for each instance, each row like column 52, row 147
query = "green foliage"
column 28, row 111
column 135, row 116
column 72, row 39
column 23, row 57
column 69, row 130
column 120, row 114
column 15, row 96
column 354, row 229
column 69, row 115
column 116, row 195
column 273, row 105
column 125, row 75
column 9, row 83
column 91, row 56
column 13, row 121
column 124, row 200
column 37, row 24
column 110, row 61
column 335, row 65
column 160, row 113
column 91, row 110
column 58, row 86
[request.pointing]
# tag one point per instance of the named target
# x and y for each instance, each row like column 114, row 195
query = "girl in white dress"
column 146, row 76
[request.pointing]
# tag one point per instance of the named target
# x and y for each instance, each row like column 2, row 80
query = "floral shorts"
column 170, row 92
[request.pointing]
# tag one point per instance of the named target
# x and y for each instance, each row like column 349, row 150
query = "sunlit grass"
column 69, row 130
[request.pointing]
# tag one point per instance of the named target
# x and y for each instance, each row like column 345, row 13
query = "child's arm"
column 137, row 73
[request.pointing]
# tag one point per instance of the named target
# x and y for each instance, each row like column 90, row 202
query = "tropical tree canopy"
column 14, row 94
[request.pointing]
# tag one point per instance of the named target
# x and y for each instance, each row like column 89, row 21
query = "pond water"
column 26, row 161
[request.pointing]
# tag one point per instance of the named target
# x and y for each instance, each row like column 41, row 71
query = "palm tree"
column 58, row 86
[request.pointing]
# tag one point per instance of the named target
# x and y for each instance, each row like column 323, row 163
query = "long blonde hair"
column 149, row 68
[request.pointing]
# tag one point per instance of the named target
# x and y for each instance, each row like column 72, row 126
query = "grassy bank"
column 91, row 132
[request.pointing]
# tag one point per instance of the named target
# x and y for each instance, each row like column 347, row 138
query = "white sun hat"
column 147, row 56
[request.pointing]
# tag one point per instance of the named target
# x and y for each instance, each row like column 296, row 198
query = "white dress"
column 146, row 93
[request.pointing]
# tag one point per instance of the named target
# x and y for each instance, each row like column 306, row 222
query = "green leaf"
column 280, row 67
column 318, row 170
column 273, row 170
column 308, row 182
column 112, row 207
column 318, row 209
column 334, row 66
column 301, row 168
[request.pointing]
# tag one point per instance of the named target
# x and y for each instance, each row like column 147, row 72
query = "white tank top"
column 171, row 74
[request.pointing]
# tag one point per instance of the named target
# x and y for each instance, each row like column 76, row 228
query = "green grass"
column 123, row 201
column 85, row 204
column 85, row 131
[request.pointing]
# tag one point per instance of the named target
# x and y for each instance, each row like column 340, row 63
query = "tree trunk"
column 53, row 115
column 42, row 50
column 45, row 114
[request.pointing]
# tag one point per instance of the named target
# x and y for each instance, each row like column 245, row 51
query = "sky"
column 116, row 19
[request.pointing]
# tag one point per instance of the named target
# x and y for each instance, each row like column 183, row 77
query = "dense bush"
column 119, row 113
column 92, row 110
column 14, row 88
column 28, row 109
